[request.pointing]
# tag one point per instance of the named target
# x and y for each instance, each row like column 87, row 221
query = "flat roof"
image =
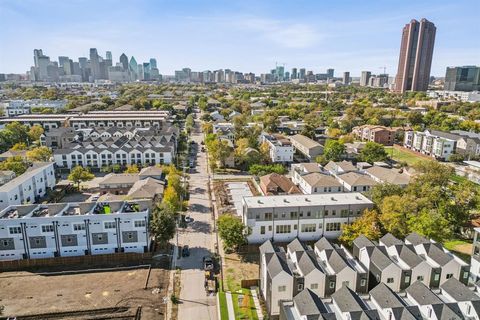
column 306, row 200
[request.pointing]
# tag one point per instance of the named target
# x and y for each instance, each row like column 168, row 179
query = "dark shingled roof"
column 390, row 240
column 347, row 300
column 458, row 290
column 309, row 304
column 422, row 294
column 385, row 297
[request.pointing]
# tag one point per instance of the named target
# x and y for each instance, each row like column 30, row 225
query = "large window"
column 139, row 223
column 309, row 227
column 78, row 226
column 15, row 230
column 333, row 226
column 286, row 228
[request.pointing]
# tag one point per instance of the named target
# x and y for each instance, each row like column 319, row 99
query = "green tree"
column 19, row 146
column 133, row 168
column 35, row 132
column 232, row 231
column 381, row 191
column 16, row 164
column 261, row 170
column 162, row 224
column 171, row 199
column 373, row 152
column 367, row 225
column 430, row 224
column 219, row 151
column 333, row 150
column 396, row 211
column 39, row 154
column 80, row 174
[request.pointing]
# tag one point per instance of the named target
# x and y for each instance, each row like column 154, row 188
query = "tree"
column 35, row 132
column 333, row 150
column 39, row 154
column 430, row 224
column 133, row 168
column 16, row 164
column 261, row 170
column 162, row 224
column 171, row 199
column 80, row 174
column 367, row 224
column 207, row 128
column 232, row 231
column 381, row 191
column 373, row 152
column 219, row 151
column 396, row 211
column 19, row 146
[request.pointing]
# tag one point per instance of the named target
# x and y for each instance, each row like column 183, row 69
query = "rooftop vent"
column 333, row 199
column 358, row 198
column 260, row 201
column 306, row 199
column 285, row 200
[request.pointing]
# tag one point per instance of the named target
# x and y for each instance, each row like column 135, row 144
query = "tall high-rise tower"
column 94, row 64
column 124, row 61
column 416, row 51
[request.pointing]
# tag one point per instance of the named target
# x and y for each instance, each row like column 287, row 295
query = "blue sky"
column 244, row 35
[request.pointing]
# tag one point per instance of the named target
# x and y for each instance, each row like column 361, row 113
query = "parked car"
column 188, row 219
column 207, row 263
column 185, row 251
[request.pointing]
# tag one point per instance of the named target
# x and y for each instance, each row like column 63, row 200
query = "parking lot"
column 24, row 293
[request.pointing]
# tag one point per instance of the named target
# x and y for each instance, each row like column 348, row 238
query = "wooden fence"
column 247, row 283
column 91, row 261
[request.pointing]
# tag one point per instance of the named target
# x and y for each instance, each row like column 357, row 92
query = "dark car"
column 207, row 263
column 185, row 251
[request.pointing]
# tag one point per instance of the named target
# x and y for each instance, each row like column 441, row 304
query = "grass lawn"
column 400, row 155
column 459, row 247
column 247, row 309
column 223, row 305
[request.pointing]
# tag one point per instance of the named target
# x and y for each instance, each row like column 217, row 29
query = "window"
column 300, row 286
column 268, row 216
column 309, row 227
column 363, row 282
column 332, row 285
column 262, row 230
column 269, row 228
column 436, row 277
column 449, row 275
column 326, row 213
column 283, row 228
column 333, row 226
column 110, row 225
column 282, row 288
column 389, row 280
column 420, row 278
column 345, row 283
column 293, row 215
column 78, row 226
column 465, row 274
column 15, row 230
column 407, row 279
column 314, row 286
column 47, row 228
column 139, row 223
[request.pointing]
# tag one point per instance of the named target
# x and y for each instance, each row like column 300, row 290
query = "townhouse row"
column 343, row 176
column 107, row 119
column 452, row 301
column 327, row 269
column 283, row 218
column 441, row 145
column 74, row 229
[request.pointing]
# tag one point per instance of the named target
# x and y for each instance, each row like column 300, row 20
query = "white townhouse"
column 140, row 147
column 29, row 186
column 281, row 149
column 73, row 229
column 120, row 119
column 46, row 121
column 437, row 144
column 307, row 217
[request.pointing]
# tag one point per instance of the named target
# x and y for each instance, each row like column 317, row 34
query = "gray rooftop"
column 422, row 294
column 458, row 291
column 385, row 297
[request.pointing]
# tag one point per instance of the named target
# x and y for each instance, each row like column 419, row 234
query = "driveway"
column 199, row 236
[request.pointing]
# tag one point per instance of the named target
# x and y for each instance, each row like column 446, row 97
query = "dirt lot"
column 23, row 293
column 239, row 267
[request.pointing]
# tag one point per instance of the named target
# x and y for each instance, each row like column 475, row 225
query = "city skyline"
column 366, row 38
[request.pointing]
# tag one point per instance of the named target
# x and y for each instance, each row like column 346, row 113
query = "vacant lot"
column 23, row 293
column 400, row 154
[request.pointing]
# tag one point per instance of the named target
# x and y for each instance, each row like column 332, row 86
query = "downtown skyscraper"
column 416, row 52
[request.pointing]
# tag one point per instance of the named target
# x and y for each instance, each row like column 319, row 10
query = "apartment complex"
column 281, row 149
column 306, row 217
column 29, row 186
column 441, row 145
column 73, row 229
column 18, row 107
column 379, row 134
column 99, row 148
